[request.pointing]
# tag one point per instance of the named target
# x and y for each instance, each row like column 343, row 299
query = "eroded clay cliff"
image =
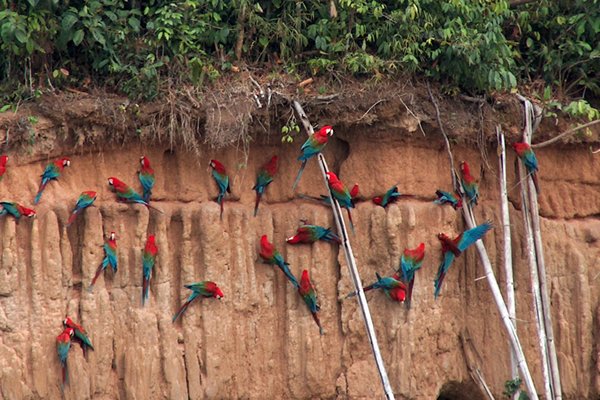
column 260, row 340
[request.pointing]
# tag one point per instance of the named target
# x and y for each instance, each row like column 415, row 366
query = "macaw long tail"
column 152, row 207
column 182, row 309
column 258, row 196
column 220, row 201
column 99, row 270
column 535, row 182
column 289, row 275
column 65, row 374
column 73, row 216
column 316, row 318
column 332, row 237
column 299, row 174
column 145, row 289
column 438, row 284
column 146, row 195
column 409, row 294
column 38, row 196
column 365, row 289
column 350, row 219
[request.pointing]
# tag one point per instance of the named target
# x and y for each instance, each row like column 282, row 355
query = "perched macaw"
column 324, row 199
column 265, row 176
column 340, row 192
column 222, row 180
column 452, row 248
column 311, row 233
column 146, row 176
column 448, row 198
column 148, row 261
column 3, row 161
column 63, row 344
column 313, row 146
column 270, row 255
column 391, row 196
column 204, row 289
column 308, row 293
column 393, row 288
column 80, row 335
column 16, row 210
column 110, row 257
column 410, row 262
column 468, row 183
column 528, row 157
column 125, row 194
column 85, row 200
column 52, row 171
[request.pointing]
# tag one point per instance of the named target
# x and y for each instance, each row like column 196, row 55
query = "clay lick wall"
column 260, row 340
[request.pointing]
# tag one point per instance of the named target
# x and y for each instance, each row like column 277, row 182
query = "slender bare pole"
column 508, row 265
column 540, row 267
column 489, row 272
column 351, row 261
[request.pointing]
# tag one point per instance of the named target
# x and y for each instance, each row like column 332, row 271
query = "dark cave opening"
column 455, row 390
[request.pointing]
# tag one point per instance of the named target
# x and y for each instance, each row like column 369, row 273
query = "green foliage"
column 511, row 387
column 138, row 47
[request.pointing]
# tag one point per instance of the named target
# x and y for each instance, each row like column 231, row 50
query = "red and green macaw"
column 3, row 161
column 448, row 198
column 263, row 179
column 85, row 200
column 271, row 256
column 125, row 194
column 393, row 288
column 390, row 197
column 314, row 145
column 324, row 199
column 469, row 184
column 80, row 335
column 308, row 293
column 528, row 157
column 63, row 344
column 410, row 262
column 148, row 261
column 204, row 289
column 311, row 233
column 52, row 172
column 452, row 248
column 147, row 179
column 110, row 257
column 16, row 210
column 222, row 180
column 340, row 192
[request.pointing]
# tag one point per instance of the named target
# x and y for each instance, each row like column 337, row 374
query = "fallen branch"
column 370, row 108
column 562, row 135
column 351, row 261
column 473, row 360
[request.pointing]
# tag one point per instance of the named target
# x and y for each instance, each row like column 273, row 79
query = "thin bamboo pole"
column 541, row 266
column 351, row 261
column 508, row 265
column 489, row 272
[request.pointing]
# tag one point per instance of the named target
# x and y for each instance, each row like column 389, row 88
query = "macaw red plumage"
column 469, row 184
column 63, row 344
column 146, row 177
column 203, row 289
column 85, row 200
column 340, row 192
column 110, row 258
column 3, row 161
column 392, row 286
column 324, row 199
column 126, row 194
column 312, row 233
column 452, row 248
column 148, row 261
column 263, row 179
column 528, row 157
column 315, row 143
column 308, row 293
column 16, row 210
column 222, row 180
column 51, row 172
column 410, row 262
column 448, row 198
column 80, row 335
column 271, row 256
column 390, row 197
